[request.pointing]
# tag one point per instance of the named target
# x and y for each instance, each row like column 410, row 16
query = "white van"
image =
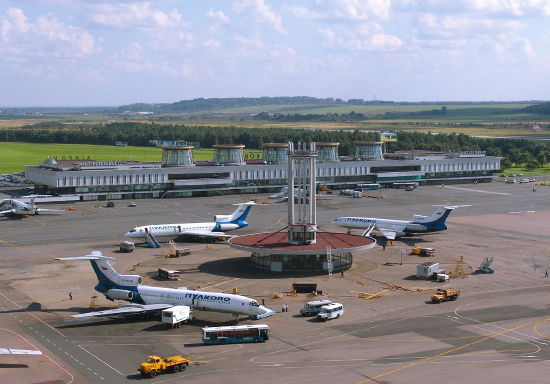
column 331, row 311
column 312, row 308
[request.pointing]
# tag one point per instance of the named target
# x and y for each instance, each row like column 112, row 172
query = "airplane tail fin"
column 107, row 277
column 440, row 215
column 239, row 214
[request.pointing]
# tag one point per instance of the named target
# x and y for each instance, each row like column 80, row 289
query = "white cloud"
column 343, row 10
column 47, row 38
column 132, row 16
column 365, row 37
column 511, row 7
column 258, row 13
column 219, row 16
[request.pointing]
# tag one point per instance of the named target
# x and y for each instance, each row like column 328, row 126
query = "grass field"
column 14, row 155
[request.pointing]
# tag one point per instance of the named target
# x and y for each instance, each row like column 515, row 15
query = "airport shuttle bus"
column 235, row 334
column 367, row 187
column 405, row 185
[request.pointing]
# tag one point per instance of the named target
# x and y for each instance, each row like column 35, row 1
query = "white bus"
column 367, row 187
column 312, row 308
column 405, row 185
column 331, row 311
column 235, row 334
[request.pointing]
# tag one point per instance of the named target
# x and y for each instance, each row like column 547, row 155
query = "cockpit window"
column 133, row 230
column 254, row 303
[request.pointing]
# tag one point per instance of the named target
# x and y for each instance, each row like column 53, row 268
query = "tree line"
column 530, row 153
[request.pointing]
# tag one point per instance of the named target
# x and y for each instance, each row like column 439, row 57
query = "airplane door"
column 196, row 303
column 179, row 228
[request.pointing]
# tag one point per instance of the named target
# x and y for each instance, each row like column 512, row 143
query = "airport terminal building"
column 178, row 175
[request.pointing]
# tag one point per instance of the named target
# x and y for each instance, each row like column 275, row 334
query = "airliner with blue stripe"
column 221, row 224
column 392, row 228
column 143, row 298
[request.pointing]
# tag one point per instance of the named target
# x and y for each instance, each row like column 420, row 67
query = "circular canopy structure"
column 273, row 252
column 276, row 243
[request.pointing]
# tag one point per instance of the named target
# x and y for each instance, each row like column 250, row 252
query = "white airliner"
column 13, row 206
column 392, row 228
column 146, row 298
column 284, row 192
column 217, row 228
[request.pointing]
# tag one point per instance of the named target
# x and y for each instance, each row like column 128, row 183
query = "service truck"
column 175, row 316
column 155, row 365
column 127, row 246
column 445, row 295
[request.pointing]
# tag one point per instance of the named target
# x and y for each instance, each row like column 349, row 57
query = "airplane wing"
column 8, row 211
column 10, row 351
column 205, row 233
column 50, row 210
column 388, row 233
column 124, row 311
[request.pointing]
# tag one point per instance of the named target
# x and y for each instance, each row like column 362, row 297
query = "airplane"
column 212, row 229
column 148, row 299
column 283, row 193
column 13, row 206
column 392, row 228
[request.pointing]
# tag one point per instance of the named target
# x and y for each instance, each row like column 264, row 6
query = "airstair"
column 484, row 267
column 258, row 317
column 369, row 230
column 152, row 241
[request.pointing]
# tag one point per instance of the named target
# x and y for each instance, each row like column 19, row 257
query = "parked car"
column 531, row 180
column 511, row 181
column 524, row 181
column 110, row 204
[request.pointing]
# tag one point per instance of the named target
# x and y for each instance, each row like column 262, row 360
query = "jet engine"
column 133, row 280
column 227, row 227
column 417, row 228
column 119, row 294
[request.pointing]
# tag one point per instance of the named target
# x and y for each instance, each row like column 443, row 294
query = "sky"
column 112, row 53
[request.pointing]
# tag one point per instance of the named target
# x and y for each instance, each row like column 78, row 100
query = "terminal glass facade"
column 327, row 153
column 301, row 263
column 273, row 155
column 368, row 152
column 229, row 156
column 175, row 157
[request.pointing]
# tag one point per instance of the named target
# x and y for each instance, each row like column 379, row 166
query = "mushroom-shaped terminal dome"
column 49, row 161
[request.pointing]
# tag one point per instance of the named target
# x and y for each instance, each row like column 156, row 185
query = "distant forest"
column 541, row 109
column 515, row 151
column 214, row 104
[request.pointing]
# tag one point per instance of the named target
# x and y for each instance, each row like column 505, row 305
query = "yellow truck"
column 445, row 295
column 155, row 365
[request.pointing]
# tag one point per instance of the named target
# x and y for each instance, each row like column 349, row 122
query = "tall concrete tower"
column 302, row 223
